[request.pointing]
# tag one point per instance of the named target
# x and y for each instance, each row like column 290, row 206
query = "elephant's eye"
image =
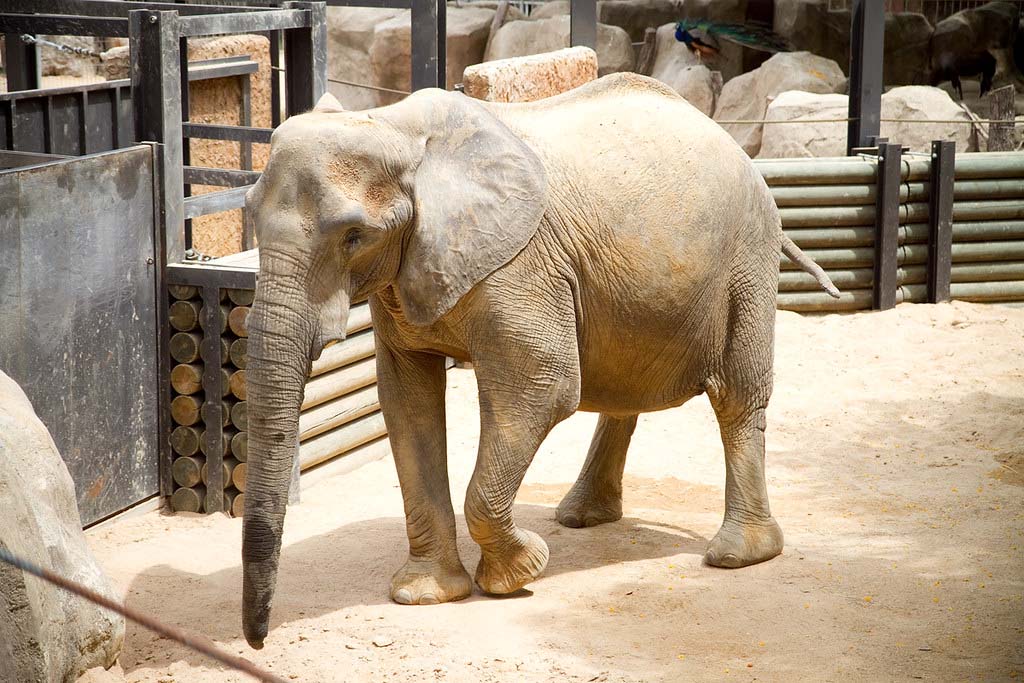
column 352, row 238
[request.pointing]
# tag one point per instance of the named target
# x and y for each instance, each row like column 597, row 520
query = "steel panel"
column 78, row 324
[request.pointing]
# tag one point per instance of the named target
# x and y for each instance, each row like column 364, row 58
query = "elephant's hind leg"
column 411, row 387
column 596, row 498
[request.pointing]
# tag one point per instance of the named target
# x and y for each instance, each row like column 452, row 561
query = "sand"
column 896, row 469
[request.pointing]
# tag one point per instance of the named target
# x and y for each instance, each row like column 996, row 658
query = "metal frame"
column 887, row 226
column 940, row 219
column 867, row 43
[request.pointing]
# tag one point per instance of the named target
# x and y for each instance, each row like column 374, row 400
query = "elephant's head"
column 429, row 195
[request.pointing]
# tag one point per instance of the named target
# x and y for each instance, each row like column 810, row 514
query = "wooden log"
column 358, row 319
column 238, row 476
column 1001, row 108
column 225, row 311
column 241, row 297
column 228, row 466
column 187, row 379
column 185, row 346
column 237, row 319
column 225, row 381
column 237, row 384
column 184, row 315
column 354, row 348
column 337, row 412
column 229, row 501
column 188, row 499
column 239, row 352
column 338, row 441
column 339, row 382
column 226, row 448
column 240, row 416
column 185, row 410
column 187, row 470
column 185, row 440
column 226, row 406
column 238, row 505
column 240, row 446
column 183, row 292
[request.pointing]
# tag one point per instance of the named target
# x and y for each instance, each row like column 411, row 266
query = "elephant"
column 610, row 249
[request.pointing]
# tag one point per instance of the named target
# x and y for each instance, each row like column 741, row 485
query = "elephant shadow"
column 351, row 566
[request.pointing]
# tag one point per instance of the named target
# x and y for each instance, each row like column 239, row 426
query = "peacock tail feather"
column 751, row 35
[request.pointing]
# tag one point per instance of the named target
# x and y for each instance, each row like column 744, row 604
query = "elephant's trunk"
column 281, row 330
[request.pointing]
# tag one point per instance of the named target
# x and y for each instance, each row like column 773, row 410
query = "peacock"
column 700, row 35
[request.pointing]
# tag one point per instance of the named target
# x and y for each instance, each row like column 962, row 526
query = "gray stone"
column 747, row 97
column 391, row 49
column 636, row 16
column 349, row 37
column 907, row 39
column 522, row 38
column 924, row 102
column 46, row 633
column 56, row 62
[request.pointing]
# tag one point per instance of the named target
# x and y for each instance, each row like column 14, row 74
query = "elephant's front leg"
column 522, row 396
column 596, row 498
column 411, row 387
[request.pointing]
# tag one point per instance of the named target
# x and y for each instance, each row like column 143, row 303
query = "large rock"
column 349, row 37
column 525, row 79
column 812, row 27
column 391, row 48
column 805, row 139
column 46, row 634
column 924, row 102
column 907, row 39
column 829, row 139
column 636, row 16
column 55, row 62
column 552, row 8
column 747, row 97
column 522, row 38
column 680, row 69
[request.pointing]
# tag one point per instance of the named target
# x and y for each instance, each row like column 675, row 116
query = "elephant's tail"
column 801, row 259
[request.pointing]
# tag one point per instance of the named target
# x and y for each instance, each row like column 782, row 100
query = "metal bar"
column 825, row 216
column 211, row 131
column 221, row 68
column 847, row 171
column 157, row 110
column 220, row 177
column 306, row 59
column 186, row 110
column 380, row 4
column 163, row 328
column 21, row 63
column 116, row 8
column 990, row 165
column 867, row 42
column 429, row 32
column 11, row 159
column 244, row 22
column 214, row 202
column 940, row 220
column 887, row 226
column 583, row 23
column 245, row 157
column 62, row 25
column 212, row 412
column 275, row 79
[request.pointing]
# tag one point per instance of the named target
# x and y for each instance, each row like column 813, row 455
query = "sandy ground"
column 896, row 469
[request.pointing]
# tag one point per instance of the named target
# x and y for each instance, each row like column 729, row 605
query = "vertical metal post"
column 212, row 411
column 275, row 79
column 245, row 157
column 305, row 54
column 186, row 112
column 583, row 23
column 156, row 104
column 940, row 220
column 429, row 33
column 163, row 328
column 887, row 224
column 21, row 63
column 867, row 42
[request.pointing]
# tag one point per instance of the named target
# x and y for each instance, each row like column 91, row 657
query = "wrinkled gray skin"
column 610, row 249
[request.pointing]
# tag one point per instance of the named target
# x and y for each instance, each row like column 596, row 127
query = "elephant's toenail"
column 428, row 599
column 403, row 596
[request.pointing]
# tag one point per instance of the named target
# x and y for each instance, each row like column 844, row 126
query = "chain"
column 34, row 40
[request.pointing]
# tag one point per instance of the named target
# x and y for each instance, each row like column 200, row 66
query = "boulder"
column 522, row 38
column 349, row 37
column 552, row 8
column 56, row 62
column 829, row 139
column 680, row 69
column 114, row 63
column 46, row 633
column 636, row 16
column 925, row 102
column 525, row 79
column 391, row 48
column 812, row 27
column 747, row 96
column 805, row 139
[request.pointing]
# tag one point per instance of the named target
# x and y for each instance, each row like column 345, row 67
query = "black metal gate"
column 78, row 325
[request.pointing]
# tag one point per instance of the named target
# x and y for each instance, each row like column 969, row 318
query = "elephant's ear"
column 480, row 194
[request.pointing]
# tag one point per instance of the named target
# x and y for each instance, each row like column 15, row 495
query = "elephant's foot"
column 427, row 582
column 509, row 569
column 738, row 545
column 583, row 507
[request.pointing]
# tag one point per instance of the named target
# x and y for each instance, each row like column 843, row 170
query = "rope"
column 194, row 642
column 33, row 40
column 847, row 120
column 356, row 85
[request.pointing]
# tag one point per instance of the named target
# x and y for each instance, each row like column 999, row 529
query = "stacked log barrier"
column 827, row 208
column 340, row 414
